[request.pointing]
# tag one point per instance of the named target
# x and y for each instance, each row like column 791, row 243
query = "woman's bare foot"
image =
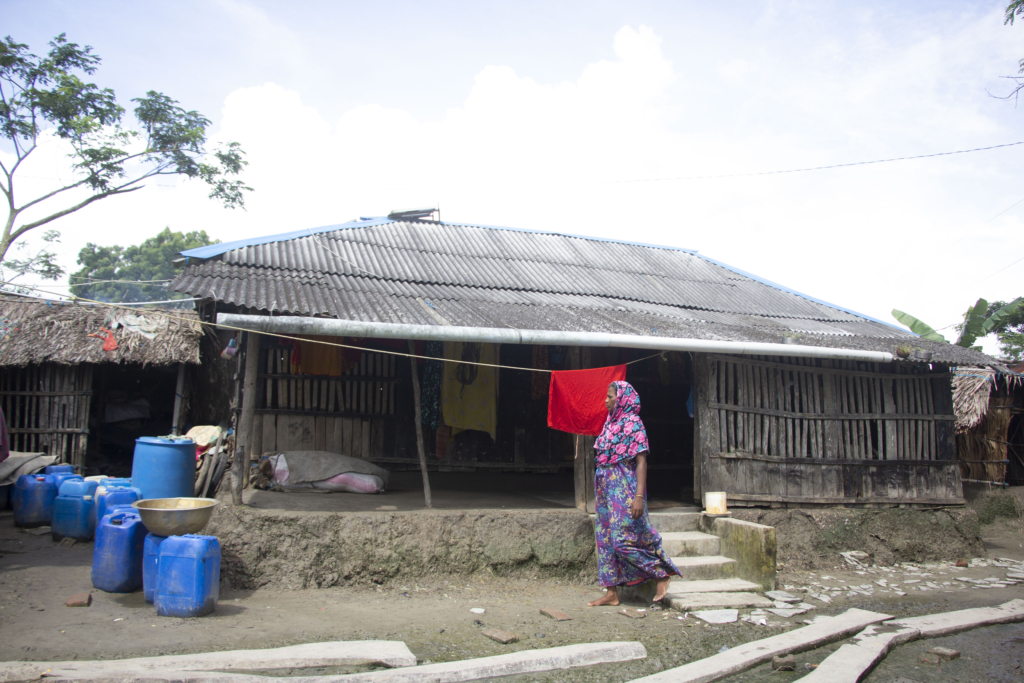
column 662, row 588
column 611, row 597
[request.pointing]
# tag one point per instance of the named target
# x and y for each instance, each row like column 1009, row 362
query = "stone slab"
column 945, row 653
column 632, row 613
column 391, row 653
column 706, row 567
column 696, row 601
column 854, row 660
column 717, row 616
column 690, row 543
column 746, row 656
column 782, row 596
column 787, row 613
column 946, row 623
column 514, row 663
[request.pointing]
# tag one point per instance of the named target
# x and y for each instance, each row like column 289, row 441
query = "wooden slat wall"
column 799, row 430
column 351, row 414
column 47, row 409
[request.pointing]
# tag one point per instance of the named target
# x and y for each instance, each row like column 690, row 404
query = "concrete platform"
column 711, row 586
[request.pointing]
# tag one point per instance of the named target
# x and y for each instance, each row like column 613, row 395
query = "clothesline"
column 278, row 335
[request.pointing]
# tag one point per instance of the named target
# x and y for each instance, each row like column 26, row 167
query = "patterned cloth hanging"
column 430, row 390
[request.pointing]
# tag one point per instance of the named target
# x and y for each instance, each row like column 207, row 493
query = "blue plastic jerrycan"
column 150, row 561
column 73, row 511
column 117, row 554
column 32, row 500
column 188, row 576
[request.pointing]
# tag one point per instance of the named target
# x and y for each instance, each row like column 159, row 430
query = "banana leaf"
column 916, row 326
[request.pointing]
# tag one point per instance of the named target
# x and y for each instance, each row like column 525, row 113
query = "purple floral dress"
column 629, row 550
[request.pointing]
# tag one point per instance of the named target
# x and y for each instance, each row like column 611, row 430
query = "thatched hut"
column 989, row 404
column 83, row 381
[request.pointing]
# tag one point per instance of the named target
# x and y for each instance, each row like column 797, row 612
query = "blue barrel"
column 164, row 468
column 188, row 581
column 32, row 500
column 150, row 575
column 117, row 554
column 107, row 496
column 73, row 511
column 59, row 469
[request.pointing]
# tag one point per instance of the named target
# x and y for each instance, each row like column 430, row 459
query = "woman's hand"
column 636, row 508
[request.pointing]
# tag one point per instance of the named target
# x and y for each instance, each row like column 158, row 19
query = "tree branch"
column 43, row 221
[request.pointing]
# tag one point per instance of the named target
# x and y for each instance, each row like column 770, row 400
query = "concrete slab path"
column 393, row 653
column 746, row 656
column 523, row 662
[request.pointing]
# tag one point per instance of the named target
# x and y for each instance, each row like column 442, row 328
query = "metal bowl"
column 175, row 516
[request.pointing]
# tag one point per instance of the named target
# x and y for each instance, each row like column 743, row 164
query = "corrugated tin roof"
column 380, row 270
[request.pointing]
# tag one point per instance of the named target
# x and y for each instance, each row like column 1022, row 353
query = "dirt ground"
column 433, row 617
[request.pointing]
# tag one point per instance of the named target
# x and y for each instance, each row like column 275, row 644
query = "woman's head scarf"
column 623, row 436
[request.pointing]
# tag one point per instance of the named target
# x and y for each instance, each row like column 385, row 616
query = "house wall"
column 47, row 409
column 811, row 431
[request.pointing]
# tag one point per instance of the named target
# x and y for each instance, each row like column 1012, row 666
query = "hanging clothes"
column 310, row 358
column 540, row 380
column 469, row 393
column 576, row 402
column 430, row 388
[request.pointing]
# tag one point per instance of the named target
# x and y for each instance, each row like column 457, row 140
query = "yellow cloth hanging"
column 469, row 393
column 320, row 359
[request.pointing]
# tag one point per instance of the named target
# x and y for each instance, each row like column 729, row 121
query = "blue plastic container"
column 188, row 576
column 164, row 468
column 117, row 554
column 32, row 500
column 60, row 477
column 150, row 576
column 116, row 481
column 73, row 511
column 59, row 469
column 108, row 496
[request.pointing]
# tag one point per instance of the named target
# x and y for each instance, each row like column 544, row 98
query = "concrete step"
column 703, row 568
column 689, row 543
column 689, row 602
column 675, row 521
column 681, row 586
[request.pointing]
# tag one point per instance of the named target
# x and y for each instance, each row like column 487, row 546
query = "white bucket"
column 715, row 503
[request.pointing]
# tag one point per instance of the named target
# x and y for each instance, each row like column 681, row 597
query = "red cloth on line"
column 576, row 398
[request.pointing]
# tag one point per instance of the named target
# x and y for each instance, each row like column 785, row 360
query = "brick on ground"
column 497, row 635
column 79, row 600
column 556, row 614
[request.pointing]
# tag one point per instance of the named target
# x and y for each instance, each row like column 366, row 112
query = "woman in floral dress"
column 628, row 548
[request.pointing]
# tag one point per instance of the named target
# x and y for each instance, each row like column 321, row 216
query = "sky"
column 591, row 118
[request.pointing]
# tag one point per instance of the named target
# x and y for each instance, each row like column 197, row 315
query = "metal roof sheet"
column 383, row 270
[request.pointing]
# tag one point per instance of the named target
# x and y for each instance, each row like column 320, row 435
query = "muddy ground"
column 432, row 616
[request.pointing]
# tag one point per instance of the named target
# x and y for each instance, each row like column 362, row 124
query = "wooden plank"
column 308, row 432
column 829, row 404
column 364, row 444
column 320, row 433
column 270, row 432
column 840, row 500
column 347, row 443
column 256, row 447
column 829, row 371
column 827, row 461
column 377, row 429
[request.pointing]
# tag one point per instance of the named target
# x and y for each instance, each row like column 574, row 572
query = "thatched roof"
column 972, row 389
column 38, row 331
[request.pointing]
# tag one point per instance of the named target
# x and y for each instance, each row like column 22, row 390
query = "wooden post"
column 179, row 392
column 243, row 439
column 416, row 416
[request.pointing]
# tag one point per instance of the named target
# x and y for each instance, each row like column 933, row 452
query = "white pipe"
column 333, row 327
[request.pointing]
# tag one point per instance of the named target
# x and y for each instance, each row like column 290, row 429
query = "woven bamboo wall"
column 777, row 430
column 47, row 409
